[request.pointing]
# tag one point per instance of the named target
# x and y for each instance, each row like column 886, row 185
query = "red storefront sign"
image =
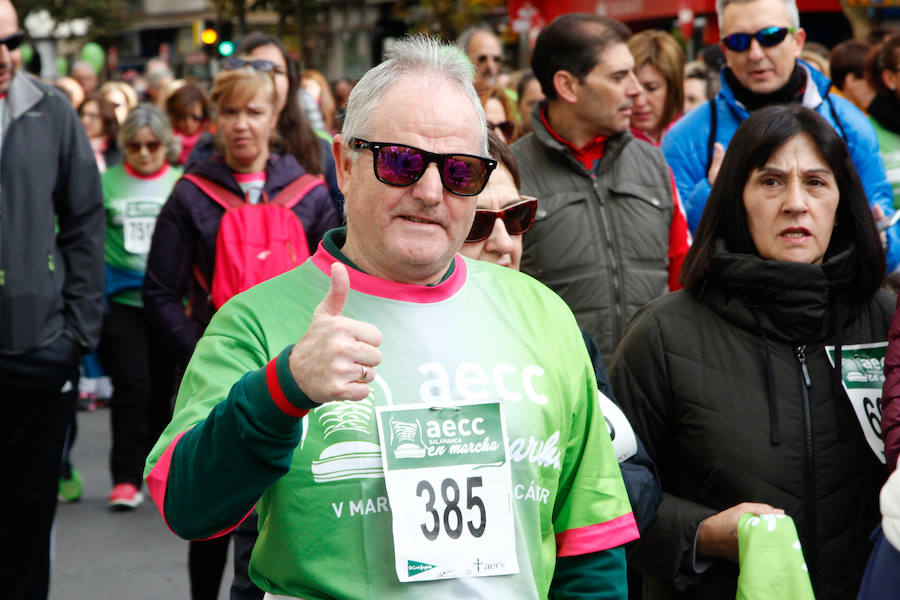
column 527, row 14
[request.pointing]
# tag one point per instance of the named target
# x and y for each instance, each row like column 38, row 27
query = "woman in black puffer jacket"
column 728, row 382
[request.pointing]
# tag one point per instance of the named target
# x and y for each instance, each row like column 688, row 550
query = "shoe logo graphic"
column 347, row 457
column 406, row 439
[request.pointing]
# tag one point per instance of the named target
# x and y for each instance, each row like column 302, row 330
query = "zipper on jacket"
column 614, row 266
column 809, row 471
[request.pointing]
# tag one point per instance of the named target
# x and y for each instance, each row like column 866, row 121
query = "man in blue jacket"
column 762, row 40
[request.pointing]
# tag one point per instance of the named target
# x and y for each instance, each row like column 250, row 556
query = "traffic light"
column 208, row 35
column 226, row 43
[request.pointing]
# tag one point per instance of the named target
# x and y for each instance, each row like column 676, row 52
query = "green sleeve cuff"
column 595, row 576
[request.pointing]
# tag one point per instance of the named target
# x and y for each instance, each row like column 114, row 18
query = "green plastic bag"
column 771, row 559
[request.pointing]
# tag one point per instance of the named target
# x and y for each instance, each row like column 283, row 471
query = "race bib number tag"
column 448, row 482
column 862, row 374
column 138, row 225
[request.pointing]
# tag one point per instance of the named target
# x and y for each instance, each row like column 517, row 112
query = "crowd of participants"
column 760, row 180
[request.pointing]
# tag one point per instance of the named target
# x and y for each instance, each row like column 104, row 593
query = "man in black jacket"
column 51, row 290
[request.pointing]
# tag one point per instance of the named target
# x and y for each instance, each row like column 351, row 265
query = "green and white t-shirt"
column 485, row 333
column 132, row 204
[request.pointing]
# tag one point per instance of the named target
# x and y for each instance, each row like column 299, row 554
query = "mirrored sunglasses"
column 507, row 128
column 768, row 37
column 12, row 42
column 263, row 66
column 135, row 146
column 517, row 218
column 400, row 165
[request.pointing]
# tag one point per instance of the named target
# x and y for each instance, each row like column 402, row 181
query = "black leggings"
column 142, row 375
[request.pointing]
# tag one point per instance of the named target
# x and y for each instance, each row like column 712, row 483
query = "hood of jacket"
column 789, row 301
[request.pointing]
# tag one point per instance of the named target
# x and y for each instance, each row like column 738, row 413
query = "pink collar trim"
column 130, row 170
column 406, row 292
column 249, row 177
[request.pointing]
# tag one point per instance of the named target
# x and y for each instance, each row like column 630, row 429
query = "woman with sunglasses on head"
column 132, row 353
column 184, row 259
column 501, row 218
column 731, row 384
column 98, row 116
column 295, row 135
column 659, row 68
column 188, row 110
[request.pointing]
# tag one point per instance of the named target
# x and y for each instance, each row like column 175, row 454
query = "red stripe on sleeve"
column 594, row 538
column 277, row 394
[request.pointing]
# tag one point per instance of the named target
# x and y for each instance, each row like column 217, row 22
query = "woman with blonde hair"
column 659, row 67
column 121, row 95
column 183, row 260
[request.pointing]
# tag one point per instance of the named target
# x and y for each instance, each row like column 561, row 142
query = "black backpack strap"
column 711, row 142
column 834, row 114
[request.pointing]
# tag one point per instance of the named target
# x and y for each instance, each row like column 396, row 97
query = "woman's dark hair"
column 107, row 116
column 295, row 136
column 754, row 143
column 500, row 151
column 883, row 57
column 182, row 100
column 846, row 58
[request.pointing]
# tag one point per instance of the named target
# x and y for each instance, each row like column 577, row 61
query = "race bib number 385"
column 862, row 374
column 448, row 481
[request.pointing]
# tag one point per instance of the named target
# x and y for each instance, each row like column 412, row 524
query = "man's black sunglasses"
column 12, row 42
column 401, row 165
column 768, row 37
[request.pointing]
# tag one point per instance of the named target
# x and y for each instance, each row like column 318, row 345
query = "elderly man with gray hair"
column 435, row 432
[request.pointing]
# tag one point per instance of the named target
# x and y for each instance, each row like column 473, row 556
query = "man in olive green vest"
column 609, row 235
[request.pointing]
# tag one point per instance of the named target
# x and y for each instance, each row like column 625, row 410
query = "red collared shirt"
column 586, row 155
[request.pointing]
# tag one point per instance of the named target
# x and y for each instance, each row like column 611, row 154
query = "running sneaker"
column 71, row 488
column 125, row 496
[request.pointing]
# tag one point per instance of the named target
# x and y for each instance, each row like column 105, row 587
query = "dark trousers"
column 32, row 431
column 143, row 385
column 207, row 558
column 881, row 580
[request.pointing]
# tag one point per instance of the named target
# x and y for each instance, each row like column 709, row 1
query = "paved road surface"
column 101, row 555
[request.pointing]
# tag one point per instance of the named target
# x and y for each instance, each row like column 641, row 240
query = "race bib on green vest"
column 862, row 374
column 448, row 481
column 139, row 222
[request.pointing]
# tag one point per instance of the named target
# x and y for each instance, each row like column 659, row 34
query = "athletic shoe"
column 70, row 489
column 125, row 496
